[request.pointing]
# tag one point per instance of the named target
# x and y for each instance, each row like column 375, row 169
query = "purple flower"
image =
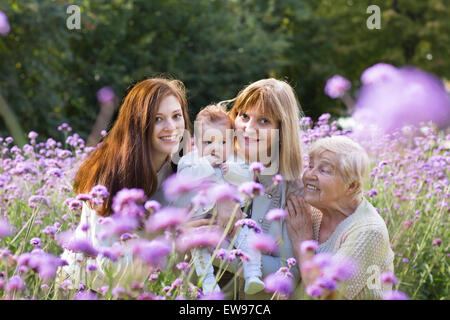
column 75, row 205
column 183, row 266
column 67, row 240
column 152, row 206
column 309, row 246
column 250, row 223
column 85, row 295
column 314, row 291
column 276, row 214
column 5, row 228
column 220, row 192
column 339, row 270
column 437, row 242
column 378, row 73
column 263, row 242
column 165, row 218
column 291, row 262
column 99, row 191
column 4, row 24
column 176, row 185
column 105, row 95
column 372, row 193
column 15, row 283
column 118, row 291
column 388, row 277
column 32, row 135
column 91, row 267
column 251, row 188
column 323, row 260
column 256, row 167
column 129, row 202
column 118, row 224
column 278, row 178
column 277, row 282
column 152, row 252
column 326, row 283
column 36, row 242
column 409, row 98
column 83, row 197
column 213, row 296
column 200, row 237
column 336, row 86
column 395, row 295
column 34, row 200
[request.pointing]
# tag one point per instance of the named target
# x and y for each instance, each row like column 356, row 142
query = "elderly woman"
column 345, row 225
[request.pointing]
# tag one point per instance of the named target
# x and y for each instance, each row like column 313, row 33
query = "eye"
column 158, row 119
column 207, row 142
column 177, row 116
column 264, row 121
column 244, row 116
column 223, row 142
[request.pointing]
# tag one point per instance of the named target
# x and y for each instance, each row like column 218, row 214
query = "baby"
column 211, row 161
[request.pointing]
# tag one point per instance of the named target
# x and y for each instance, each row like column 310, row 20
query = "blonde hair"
column 276, row 100
column 353, row 161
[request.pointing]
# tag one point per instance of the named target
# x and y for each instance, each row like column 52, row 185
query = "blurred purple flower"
column 67, row 240
column 4, row 24
column 152, row 252
column 263, row 242
column 278, row 178
column 410, row 97
column 250, row 223
column 200, row 237
column 152, row 206
column 221, row 192
column 15, row 283
column 213, row 296
column 130, row 202
column 36, row 242
column 291, row 262
column 276, row 214
column 314, row 291
column 326, row 283
column 256, row 166
column 31, row 135
column 339, row 270
column 5, row 228
column 277, row 282
column 309, row 245
column 437, row 242
column 378, row 73
column 251, row 188
column 323, row 260
column 336, row 86
column 85, row 295
column 165, row 218
column 105, row 95
column 395, row 295
column 388, row 277
column 176, row 185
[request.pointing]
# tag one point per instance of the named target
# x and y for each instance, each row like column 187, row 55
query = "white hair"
column 353, row 163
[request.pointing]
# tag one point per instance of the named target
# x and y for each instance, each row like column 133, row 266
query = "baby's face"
column 214, row 141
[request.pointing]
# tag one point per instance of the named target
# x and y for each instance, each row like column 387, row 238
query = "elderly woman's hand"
column 298, row 220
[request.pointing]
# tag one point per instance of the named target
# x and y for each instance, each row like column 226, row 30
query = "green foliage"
column 50, row 74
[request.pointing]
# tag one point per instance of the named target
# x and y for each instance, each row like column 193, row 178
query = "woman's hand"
column 196, row 223
column 298, row 221
column 225, row 209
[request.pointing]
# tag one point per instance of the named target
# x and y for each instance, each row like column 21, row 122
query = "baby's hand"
column 225, row 167
column 213, row 160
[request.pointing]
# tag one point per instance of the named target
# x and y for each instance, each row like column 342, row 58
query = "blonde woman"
column 347, row 225
column 266, row 117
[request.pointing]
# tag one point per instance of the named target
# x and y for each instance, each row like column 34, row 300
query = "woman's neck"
column 333, row 215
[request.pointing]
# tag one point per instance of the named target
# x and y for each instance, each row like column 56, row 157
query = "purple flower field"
column 408, row 184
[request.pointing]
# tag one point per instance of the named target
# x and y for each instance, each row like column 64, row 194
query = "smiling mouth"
column 310, row 187
column 169, row 139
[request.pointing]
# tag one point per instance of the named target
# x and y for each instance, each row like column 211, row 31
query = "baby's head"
column 211, row 132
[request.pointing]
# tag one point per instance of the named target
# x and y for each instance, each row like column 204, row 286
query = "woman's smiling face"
column 253, row 134
column 323, row 185
column 169, row 126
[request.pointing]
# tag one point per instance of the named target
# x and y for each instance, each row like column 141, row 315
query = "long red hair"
column 123, row 159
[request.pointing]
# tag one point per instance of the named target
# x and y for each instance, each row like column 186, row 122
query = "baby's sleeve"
column 194, row 166
column 238, row 173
